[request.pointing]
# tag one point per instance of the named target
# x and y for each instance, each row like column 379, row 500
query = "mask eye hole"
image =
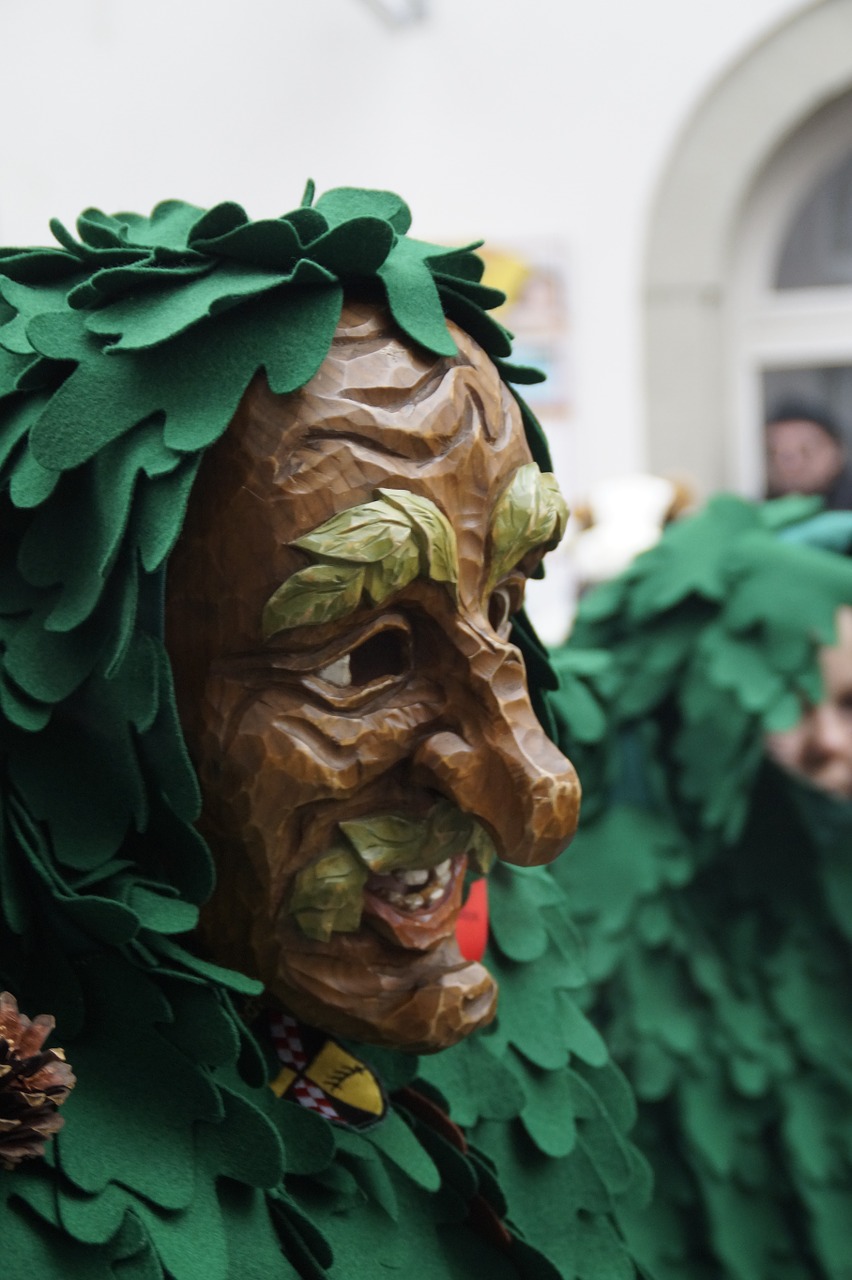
column 500, row 611
column 382, row 656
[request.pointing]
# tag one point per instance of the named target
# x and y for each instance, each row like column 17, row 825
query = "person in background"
column 708, row 691
column 806, row 453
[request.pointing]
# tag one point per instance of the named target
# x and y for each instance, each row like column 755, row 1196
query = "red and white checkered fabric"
column 288, row 1045
column 288, row 1042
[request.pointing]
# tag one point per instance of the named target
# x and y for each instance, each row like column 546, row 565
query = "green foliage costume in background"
column 716, row 891
column 123, row 355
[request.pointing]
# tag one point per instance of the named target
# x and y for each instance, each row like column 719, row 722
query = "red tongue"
column 472, row 923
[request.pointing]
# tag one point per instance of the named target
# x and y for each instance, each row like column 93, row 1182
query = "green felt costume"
column 716, row 890
column 123, row 355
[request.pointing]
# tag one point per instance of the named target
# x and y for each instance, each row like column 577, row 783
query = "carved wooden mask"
column 338, row 615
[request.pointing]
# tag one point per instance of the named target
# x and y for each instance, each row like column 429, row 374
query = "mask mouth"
column 413, row 913
column 417, row 889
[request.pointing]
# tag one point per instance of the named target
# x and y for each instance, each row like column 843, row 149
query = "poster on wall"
column 534, row 277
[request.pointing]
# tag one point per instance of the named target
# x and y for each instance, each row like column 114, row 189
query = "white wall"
column 507, row 118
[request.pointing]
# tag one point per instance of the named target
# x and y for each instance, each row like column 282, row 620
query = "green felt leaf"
column 34, row 1247
column 309, row 1141
column 254, row 1248
column 413, row 296
column 80, row 563
column 475, row 1081
column 532, row 1020
column 159, row 912
column 210, row 224
column 146, row 321
column 821, row 585
column 692, row 558
column 58, row 778
column 345, row 203
column 204, row 968
column 525, row 375
column 201, row 1024
column 516, row 895
column 466, row 312
column 736, row 663
column 549, row 1116
column 19, row 416
column 250, row 1149
column 28, row 303
column 357, row 247
column 31, row 484
column 308, row 223
column 370, row 1173
column 289, row 332
column 397, row 1143
column 158, row 512
column 92, row 1219
column 459, row 278
column 106, row 920
column 271, row 243
column 830, row 529
column 303, row 1243
column 62, row 335
column 105, row 1140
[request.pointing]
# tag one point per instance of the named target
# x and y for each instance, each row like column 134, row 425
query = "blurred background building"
column 666, row 185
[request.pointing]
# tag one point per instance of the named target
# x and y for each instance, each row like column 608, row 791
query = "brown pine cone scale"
column 34, row 1082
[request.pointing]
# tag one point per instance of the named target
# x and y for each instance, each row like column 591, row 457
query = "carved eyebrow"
column 530, row 513
column 372, row 550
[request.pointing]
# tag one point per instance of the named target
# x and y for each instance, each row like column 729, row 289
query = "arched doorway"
column 789, row 334
column 718, row 322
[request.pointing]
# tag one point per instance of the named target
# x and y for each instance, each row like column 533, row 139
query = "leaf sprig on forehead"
column 372, row 550
column 530, row 513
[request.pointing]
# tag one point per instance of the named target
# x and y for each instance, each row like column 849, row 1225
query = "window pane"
column 818, row 249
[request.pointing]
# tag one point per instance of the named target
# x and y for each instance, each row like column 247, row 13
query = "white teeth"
column 415, row 878
column 432, row 885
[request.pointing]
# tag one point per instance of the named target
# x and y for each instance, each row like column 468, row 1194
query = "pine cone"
column 33, row 1083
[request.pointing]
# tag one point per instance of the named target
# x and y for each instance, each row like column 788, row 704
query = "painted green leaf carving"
column 363, row 534
column 377, row 547
column 319, row 593
column 481, row 849
column 328, row 894
column 391, row 842
column 435, row 536
column 530, row 513
column 557, row 503
column 393, row 573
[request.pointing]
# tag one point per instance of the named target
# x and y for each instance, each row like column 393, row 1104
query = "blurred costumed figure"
column 707, row 693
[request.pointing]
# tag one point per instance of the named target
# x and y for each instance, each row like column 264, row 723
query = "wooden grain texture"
column 385, row 710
